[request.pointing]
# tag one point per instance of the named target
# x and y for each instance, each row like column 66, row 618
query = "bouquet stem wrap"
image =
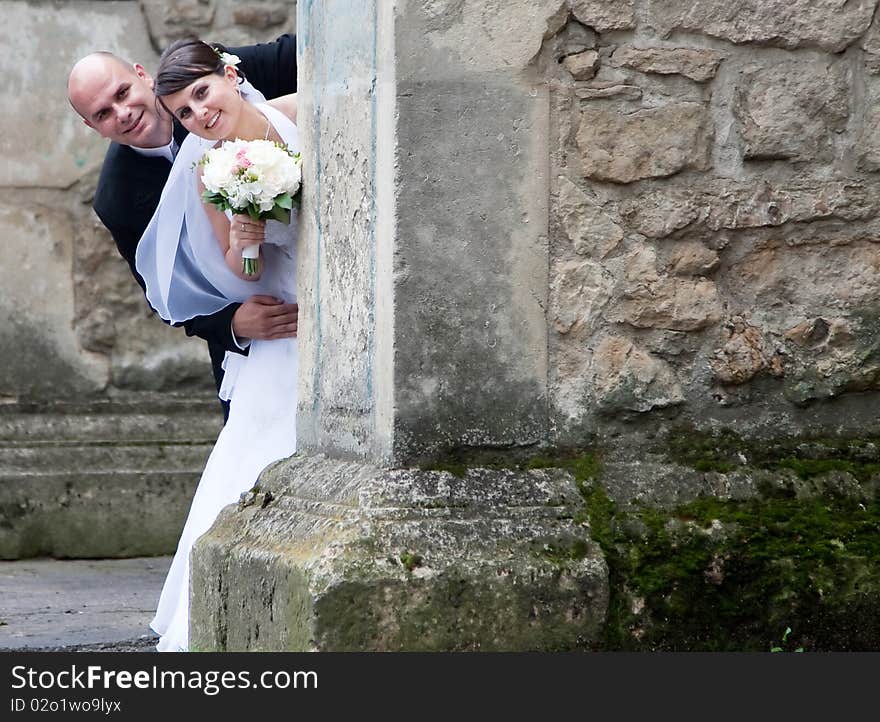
column 250, row 260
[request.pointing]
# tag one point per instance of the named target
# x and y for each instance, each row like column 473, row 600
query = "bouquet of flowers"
column 259, row 177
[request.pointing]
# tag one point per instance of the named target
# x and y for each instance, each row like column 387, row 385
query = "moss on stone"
column 808, row 456
column 583, row 464
column 563, row 551
column 456, row 468
column 410, row 561
column 731, row 575
column 809, row 468
column 728, row 575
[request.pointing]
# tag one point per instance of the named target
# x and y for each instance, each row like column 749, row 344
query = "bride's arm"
column 286, row 104
column 220, row 224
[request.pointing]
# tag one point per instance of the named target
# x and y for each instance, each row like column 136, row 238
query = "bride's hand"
column 244, row 231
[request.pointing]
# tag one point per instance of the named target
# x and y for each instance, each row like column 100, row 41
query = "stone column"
column 423, row 286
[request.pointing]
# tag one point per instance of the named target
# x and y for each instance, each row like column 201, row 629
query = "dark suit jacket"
column 130, row 185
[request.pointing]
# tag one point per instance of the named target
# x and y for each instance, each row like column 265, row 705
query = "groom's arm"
column 270, row 67
column 217, row 328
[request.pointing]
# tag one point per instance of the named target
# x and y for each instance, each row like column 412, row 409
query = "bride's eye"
column 201, row 92
column 183, row 113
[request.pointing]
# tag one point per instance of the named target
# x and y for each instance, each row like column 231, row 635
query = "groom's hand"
column 265, row 318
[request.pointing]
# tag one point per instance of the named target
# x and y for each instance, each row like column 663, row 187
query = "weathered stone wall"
column 714, row 214
column 674, row 220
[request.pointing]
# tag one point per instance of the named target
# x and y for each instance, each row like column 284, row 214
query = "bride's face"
column 210, row 106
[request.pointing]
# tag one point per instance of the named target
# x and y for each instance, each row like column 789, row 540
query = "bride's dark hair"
column 185, row 61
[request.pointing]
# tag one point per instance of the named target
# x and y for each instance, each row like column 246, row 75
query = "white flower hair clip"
column 230, row 59
column 225, row 58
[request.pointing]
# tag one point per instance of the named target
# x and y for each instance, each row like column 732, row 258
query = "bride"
column 192, row 266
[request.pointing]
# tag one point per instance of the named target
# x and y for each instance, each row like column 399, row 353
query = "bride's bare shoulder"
column 286, row 104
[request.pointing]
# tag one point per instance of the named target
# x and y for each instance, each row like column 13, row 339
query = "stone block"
column 827, row 24
column 591, row 231
column 598, row 91
column 699, row 64
column 867, row 145
column 172, row 19
column 337, row 556
column 261, row 17
column 100, row 479
column 689, row 258
column 582, row 65
column 657, row 214
column 649, row 143
column 771, row 280
column 675, row 304
column 791, row 110
column 579, row 290
column 39, row 305
column 604, row 16
column 870, row 43
column 627, row 378
column 475, row 34
column 744, row 353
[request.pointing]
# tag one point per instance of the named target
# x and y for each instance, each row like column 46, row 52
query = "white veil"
column 179, row 257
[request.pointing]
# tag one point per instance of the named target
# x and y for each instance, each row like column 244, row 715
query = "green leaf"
column 280, row 214
column 284, row 200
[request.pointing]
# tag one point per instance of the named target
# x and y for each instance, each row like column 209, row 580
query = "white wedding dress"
column 261, row 428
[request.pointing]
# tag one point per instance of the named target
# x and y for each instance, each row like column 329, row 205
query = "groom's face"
column 117, row 101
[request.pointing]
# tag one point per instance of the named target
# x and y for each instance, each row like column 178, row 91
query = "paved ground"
column 80, row 605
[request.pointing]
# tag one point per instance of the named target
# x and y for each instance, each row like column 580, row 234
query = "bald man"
column 115, row 98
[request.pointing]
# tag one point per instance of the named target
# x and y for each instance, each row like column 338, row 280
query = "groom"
column 115, row 98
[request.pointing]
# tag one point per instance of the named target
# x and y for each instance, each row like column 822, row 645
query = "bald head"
column 88, row 72
column 116, row 99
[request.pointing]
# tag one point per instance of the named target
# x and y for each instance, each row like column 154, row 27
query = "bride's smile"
column 210, row 107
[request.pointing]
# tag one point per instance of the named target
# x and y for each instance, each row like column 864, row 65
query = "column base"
column 328, row 555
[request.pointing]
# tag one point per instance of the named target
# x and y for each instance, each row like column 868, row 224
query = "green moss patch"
column 730, row 576
column 582, row 463
column 719, row 575
column 808, row 457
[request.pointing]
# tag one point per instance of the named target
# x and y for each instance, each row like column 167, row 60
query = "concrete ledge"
column 340, row 556
column 102, row 478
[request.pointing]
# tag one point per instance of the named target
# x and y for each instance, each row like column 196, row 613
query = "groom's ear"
column 141, row 72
